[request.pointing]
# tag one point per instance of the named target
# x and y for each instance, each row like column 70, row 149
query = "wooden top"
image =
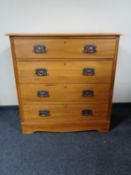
column 63, row 34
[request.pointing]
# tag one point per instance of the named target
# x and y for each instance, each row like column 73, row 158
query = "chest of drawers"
column 64, row 81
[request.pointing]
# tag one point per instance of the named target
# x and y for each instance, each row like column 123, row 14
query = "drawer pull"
column 88, row 71
column 39, row 49
column 41, row 72
column 87, row 93
column 89, row 49
column 44, row 113
column 87, row 112
column 43, row 94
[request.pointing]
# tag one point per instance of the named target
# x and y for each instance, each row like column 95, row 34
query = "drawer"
column 65, row 112
column 41, row 47
column 65, row 72
column 76, row 93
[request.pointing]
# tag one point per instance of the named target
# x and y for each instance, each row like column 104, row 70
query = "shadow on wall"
column 120, row 113
column 7, row 81
column 122, row 88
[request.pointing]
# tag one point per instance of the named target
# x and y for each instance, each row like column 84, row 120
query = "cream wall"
column 65, row 16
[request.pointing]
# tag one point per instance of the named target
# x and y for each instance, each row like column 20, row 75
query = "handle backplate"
column 88, row 71
column 38, row 49
column 86, row 112
column 89, row 49
column 44, row 113
column 41, row 72
column 43, row 93
column 87, row 93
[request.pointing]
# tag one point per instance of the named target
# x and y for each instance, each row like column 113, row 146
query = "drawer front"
column 65, row 112
column 64, row 48
column 34, row 93
column 65, row 72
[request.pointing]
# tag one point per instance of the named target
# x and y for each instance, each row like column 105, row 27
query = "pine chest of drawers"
column 64, row 81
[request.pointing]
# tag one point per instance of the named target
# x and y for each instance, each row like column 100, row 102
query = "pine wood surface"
column 64, row 61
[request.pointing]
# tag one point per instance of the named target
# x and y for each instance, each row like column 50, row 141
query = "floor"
column 79, row 153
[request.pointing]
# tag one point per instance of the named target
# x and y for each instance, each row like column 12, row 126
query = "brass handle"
column 88, row 71
column 87, row 93
column 43, row 94
column 86, row 112
column 39, row 49
column 44, row 113
column 41, row 72
column 89, row 49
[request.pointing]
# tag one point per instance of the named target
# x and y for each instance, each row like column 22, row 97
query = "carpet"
column 77, row 153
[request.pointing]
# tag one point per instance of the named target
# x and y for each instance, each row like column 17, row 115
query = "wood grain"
column 65, row 112
column 29, row 127
column 65, row 72
column 64, row 59
column 64, row 93
column 67, row 35
column 64, row 48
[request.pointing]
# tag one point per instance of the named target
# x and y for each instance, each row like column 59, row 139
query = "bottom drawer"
column 64, row 113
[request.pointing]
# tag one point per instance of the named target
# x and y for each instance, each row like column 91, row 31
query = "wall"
column 65, row 16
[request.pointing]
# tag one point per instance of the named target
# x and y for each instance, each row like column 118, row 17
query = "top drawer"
column 41, row 47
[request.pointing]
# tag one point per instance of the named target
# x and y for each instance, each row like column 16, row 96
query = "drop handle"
column 44, row 113
column 41, row 72
column 43, row 93
column 89, row 49
column 87, row 93
column 88, row 71
column 38, row 49
column 87, row 112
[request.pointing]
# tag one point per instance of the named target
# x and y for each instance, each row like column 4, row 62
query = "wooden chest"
column 64, row 81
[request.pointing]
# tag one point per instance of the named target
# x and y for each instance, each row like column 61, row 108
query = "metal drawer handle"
column 41, row 72
column 88, row 71
column 87, row 112
column 44, row 113
column 43, row 94
column 87, row 93
column 39, row 49
column 89, row 49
